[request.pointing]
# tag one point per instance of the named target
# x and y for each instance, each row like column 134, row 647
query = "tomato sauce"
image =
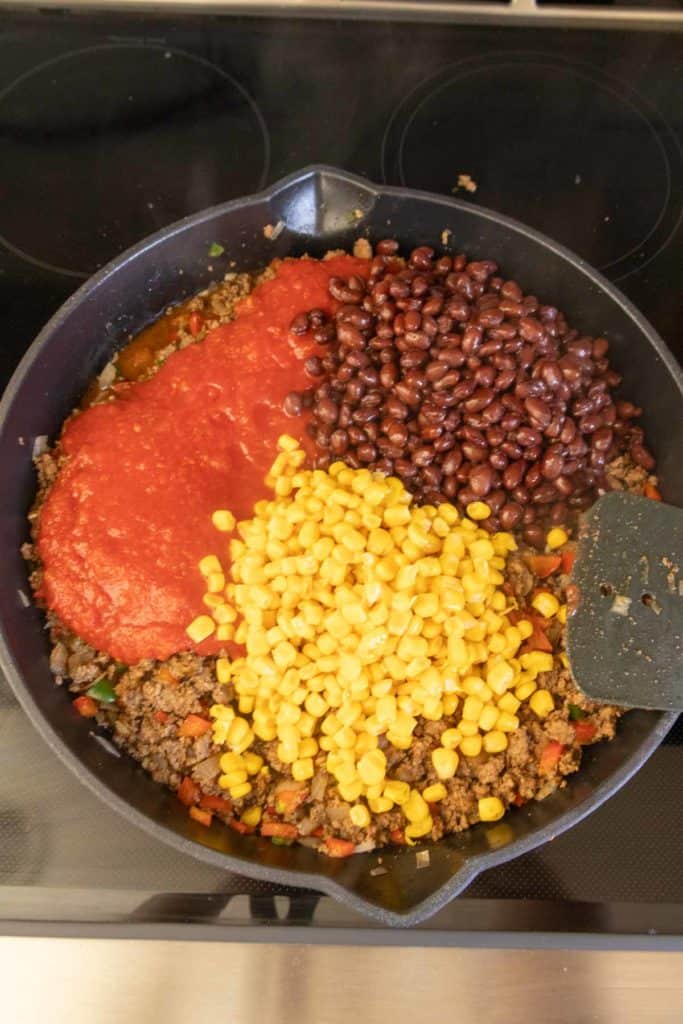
column 129, row 516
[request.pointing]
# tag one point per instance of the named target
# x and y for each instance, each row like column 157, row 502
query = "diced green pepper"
column 216, row 249
column 281, row 841
column 102, row 690
column 576, row 713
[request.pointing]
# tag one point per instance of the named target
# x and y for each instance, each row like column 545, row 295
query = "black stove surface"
column 113, row 126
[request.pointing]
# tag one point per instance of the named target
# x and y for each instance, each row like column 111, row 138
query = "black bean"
column 293, row 404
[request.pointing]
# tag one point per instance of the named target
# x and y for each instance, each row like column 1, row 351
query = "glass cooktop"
column 113, row 126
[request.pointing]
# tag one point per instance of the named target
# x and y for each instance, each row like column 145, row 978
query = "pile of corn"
column 360, row 614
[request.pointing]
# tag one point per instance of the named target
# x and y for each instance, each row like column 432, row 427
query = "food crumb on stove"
column 446, row 236
column 375, row 872
column 273, row 231
column 362, row 249
column 466, row 182
column 620, row 605
column 422, row 859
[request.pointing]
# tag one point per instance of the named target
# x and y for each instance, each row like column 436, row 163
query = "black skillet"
column 312, row 211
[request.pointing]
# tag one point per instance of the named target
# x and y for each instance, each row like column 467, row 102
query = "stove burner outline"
column 425, row 90
column 168, row 52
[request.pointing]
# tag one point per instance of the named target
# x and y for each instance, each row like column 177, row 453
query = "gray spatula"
column 625, row 640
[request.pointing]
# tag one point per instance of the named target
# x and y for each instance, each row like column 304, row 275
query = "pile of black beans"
column 441, row 372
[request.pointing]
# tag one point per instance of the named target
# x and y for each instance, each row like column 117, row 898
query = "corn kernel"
column 397, row 791
column 491, row 808
column 488, row 716
column 432, row 794
column 445, row 761
column 372, row 767
column 380, row 804
column 200, row 628
column 302, row 769
column 546, row 604
column 495, row 742
column 561, row 615
column 243, row 789
column 223, row 520
column 252, row 762
column 417, row 829
column 471, row 746
column 556, row 538
column 350, row 791
column 478, row 510
column 541, row 703
column 525, row 689
column 508, row 702
column 471, row 709
column 360, row 815
column 450, row 738
column 415, row 808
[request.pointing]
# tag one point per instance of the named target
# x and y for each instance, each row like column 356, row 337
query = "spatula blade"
column 625, row 640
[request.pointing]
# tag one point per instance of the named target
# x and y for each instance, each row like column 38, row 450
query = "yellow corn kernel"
column 536, row 661
column 200, row 628
column 214, row 601
column 490, row 808
column 556, row 538
column 302, row 769
column 541, row 703
column 488, row 717
column 224, row 615
column 415, row 808
column 223, row 670
column 210, row 564
column 495, row 742
column 252, row 762
column 500, row 676
column 525, row 689
column 223, row 520
column 470, row 746
column 251, row 817
column 562, row 614
column 432, row 794
column 564, row 659
column 472, row 709
column 546, row 604
column 477, row 511
column 245, row 705
column 450, row 738
column 372, row 767
column 360, row 815
column 243, row 789
column 380, row 804
column 398, row 792
column 507, row 722
column 350, row 791
column 470, row 728
column 233, row 778
column 508, row 702
column 308, row 747
column 445, row 761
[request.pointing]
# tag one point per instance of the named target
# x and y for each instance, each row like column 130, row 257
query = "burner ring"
column 129, row 127
column 629, row 244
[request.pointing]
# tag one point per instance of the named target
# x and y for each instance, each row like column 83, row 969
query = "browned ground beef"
column 154, row 698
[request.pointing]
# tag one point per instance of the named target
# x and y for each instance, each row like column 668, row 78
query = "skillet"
column 312, row 211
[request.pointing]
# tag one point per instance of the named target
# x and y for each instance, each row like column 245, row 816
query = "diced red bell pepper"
column 518, row 800
column 538, row 641
column 188, row 791
column 550, row 755
column 279, row 829
column 318, row 832
column 287, row 800
column 398, row 836
column 161, row 716
column 194, row 726
column 203, row 817
column 85, row 706
column 584, row 730
column 568, row 559
column 338, row 847
column 239, row 826
column 195, row 323
column 650, row 491
column 215, row 803
column 543, row 566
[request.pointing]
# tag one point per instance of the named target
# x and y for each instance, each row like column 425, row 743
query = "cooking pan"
column 310, row 212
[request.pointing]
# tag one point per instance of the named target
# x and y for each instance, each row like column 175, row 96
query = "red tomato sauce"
column 129, row 516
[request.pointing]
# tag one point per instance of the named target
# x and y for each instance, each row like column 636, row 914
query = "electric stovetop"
column 113, row 126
